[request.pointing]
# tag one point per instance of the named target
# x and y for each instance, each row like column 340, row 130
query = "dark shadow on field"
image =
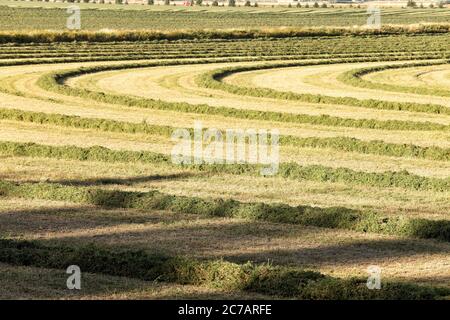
column 359, row 252
column 240, row 241
column 53, row 219
column 334, row 217
column 438, row 280
column 117, row 181
column 27, row 282
column 151, row 263
column 70, row 219
column 204, row 236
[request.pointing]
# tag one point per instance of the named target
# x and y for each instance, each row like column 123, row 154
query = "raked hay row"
column 87, row 176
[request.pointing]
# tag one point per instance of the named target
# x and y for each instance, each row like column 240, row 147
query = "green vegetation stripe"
column 333, row 217
column 401, row 179
column 279, row 281
column 336, row 143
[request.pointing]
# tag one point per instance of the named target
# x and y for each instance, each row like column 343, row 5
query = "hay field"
column 364, row 177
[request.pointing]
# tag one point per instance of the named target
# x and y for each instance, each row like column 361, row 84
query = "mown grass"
column 333, row 217
column 354, row 78
column 401, row 179
column 55, row 82
column 45, row 283
column 134, row 53
column 276, row 281
column 213, row 80
column 266, row 279
column 326, row 47
column 336, row 143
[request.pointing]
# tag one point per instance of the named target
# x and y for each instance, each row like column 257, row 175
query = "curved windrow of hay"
column 427, row 79
column 85, row 141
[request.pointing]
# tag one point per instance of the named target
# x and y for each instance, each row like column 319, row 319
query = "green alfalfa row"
column 179, row 61
column 55, row 82
column 332, row 217
column 400, row 179
column 105, row 58
column 319, row 44
column 84, row 123
column 213, row 79
column 353, row 77
column 131, row 54
column 244, row 57
column 336, row 143
column 267, row 279
column 224, row 47
column 375, row 147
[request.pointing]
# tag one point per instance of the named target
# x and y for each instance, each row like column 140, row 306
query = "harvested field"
column 364, row 171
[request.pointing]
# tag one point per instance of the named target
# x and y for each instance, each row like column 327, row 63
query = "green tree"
column 232, row 3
